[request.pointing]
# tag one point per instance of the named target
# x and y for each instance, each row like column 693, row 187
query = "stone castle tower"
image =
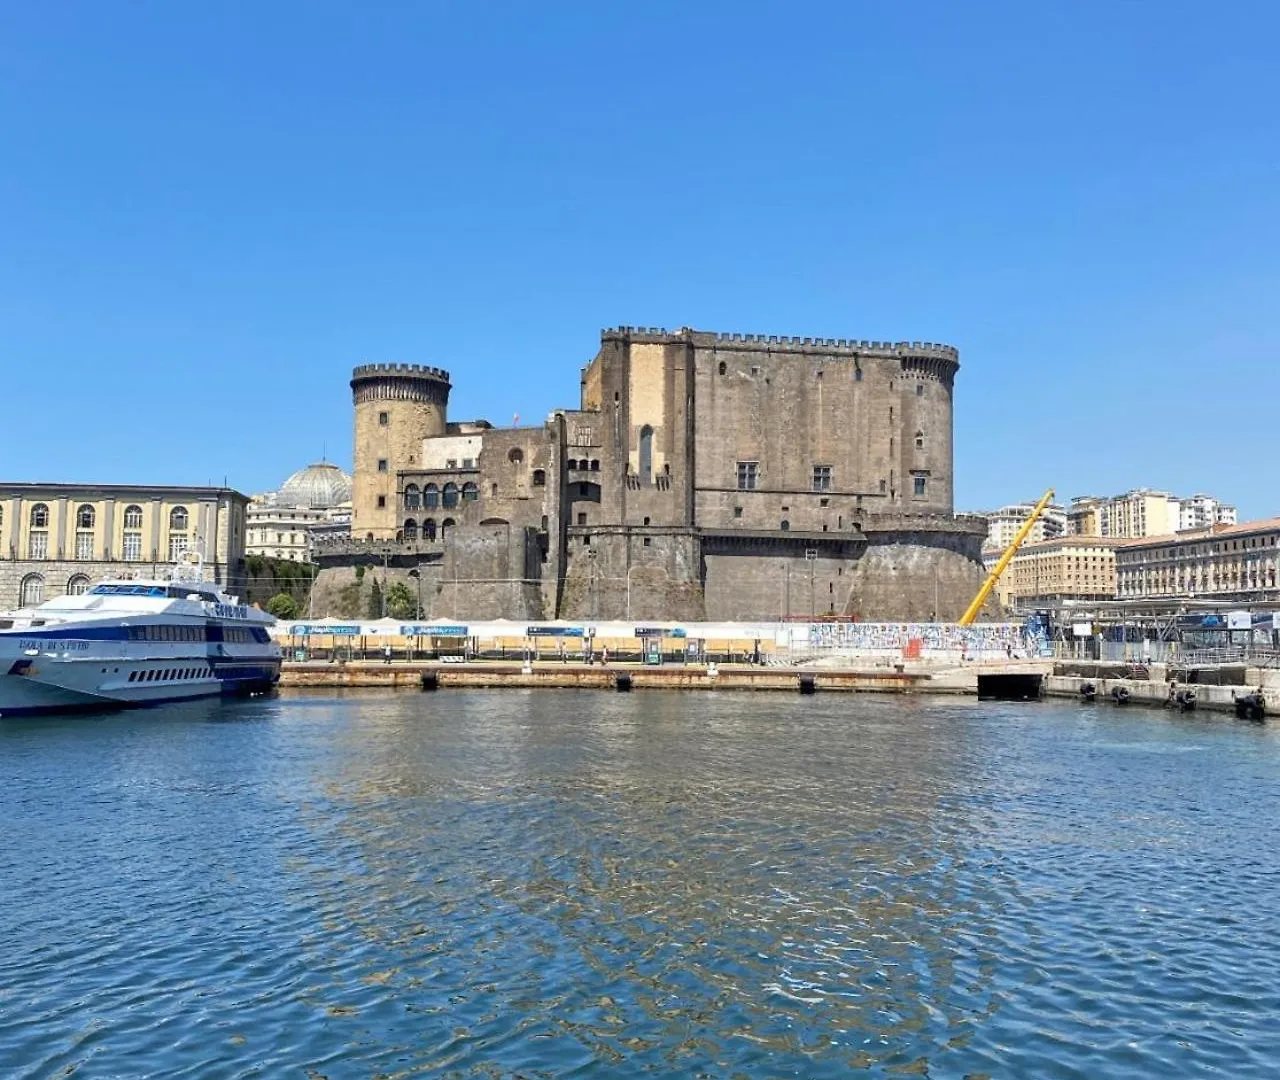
column 396, row 407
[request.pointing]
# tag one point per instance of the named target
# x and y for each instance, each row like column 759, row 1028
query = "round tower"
column 396, row 407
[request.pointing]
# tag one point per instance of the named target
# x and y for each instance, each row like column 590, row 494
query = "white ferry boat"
column 129, row 642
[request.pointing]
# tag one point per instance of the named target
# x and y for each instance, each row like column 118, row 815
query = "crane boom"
column 971, row 612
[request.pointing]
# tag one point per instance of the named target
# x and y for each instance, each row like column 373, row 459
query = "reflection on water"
column 504, row 883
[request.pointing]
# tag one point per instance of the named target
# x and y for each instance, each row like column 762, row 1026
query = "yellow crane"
column 971, row 612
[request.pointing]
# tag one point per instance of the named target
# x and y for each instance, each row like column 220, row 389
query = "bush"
column 374, row 610
column 283, row 606
column 401, row 602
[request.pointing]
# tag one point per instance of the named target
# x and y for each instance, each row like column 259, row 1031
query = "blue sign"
column 353, row 631
column 659, row 631
column 426, row 630
column 555, row 631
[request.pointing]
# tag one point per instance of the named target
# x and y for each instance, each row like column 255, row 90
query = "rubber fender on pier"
column 808, row 684
column 430, row 680
column 622, row 682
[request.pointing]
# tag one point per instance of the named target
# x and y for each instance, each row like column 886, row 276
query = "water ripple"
column 550, row 884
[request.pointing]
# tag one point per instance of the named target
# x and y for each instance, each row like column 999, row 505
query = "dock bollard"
column 808, row 684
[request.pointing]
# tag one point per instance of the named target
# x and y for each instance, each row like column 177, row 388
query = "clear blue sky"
column 210, row 212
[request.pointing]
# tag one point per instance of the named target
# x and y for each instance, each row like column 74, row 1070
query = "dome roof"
column 318, row 486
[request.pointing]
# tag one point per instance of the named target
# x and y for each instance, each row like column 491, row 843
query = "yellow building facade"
column 59, row 538
column 1068, row 568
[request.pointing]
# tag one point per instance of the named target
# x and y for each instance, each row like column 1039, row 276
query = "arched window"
column 646, row 454
column 470, row 493
column 178, row 519
column 515, row 455
column 78, row 585
column 919, row 440
column 723, row 367
column 571, row 464
column 539, row 478
column 595, row 464
column 445, row 526
column 133, row 517
column 449, row 497
column 430, row 497
column 85, row 517
column 429, row 529
column 410, row 529
column 39, row 516
column 412, row 497
column 32, row 591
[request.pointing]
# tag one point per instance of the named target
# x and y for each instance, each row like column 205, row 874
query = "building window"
column 38, row 545
column 786, row 525
column 646, row 454
column 382, row 502
column 132, row 549
column 822, row 478
column 85, row 517
column 430, row 497
column 918, row 484
column 84, row 545
column 919, row 440
column 412, row 498
column 78, row 585
column 382, row 464
column 133, row 517
column 429, row 529
column 883, row 487
column 919, row 389
column 177, row 547
column 450, row 494
column 32, row 591
column 470, row 493
column 383, row 419
column 571, row 464
column 737, row 511
column 748, row 474
column 39, row 516
column 582, row 519
column 584, row 490
column 410, row 529
column 515, row 455
column 539, row 477
column 595, row 465
column 451, row 463
column 723, row 367
column 178, row 519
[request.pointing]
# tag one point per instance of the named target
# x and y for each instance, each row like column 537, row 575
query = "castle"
column 704, row 476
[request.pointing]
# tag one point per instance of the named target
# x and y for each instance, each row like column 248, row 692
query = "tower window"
column 383, row 419
column 822, row 478
column 737, row 511
column 918, row 483
column 646, row 454
column 382, row 502
column 539, row 477
column 919, row 440
column 748, row 474
column 382, row 464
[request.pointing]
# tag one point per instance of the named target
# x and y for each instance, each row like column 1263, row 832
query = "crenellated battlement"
column 402, row 371
column 782, row 343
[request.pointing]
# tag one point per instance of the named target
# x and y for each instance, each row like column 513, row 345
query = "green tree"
column 401, row 603
column 283, row 606
column 374, row 611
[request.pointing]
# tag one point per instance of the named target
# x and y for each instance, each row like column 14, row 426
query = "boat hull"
column 44, row 686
